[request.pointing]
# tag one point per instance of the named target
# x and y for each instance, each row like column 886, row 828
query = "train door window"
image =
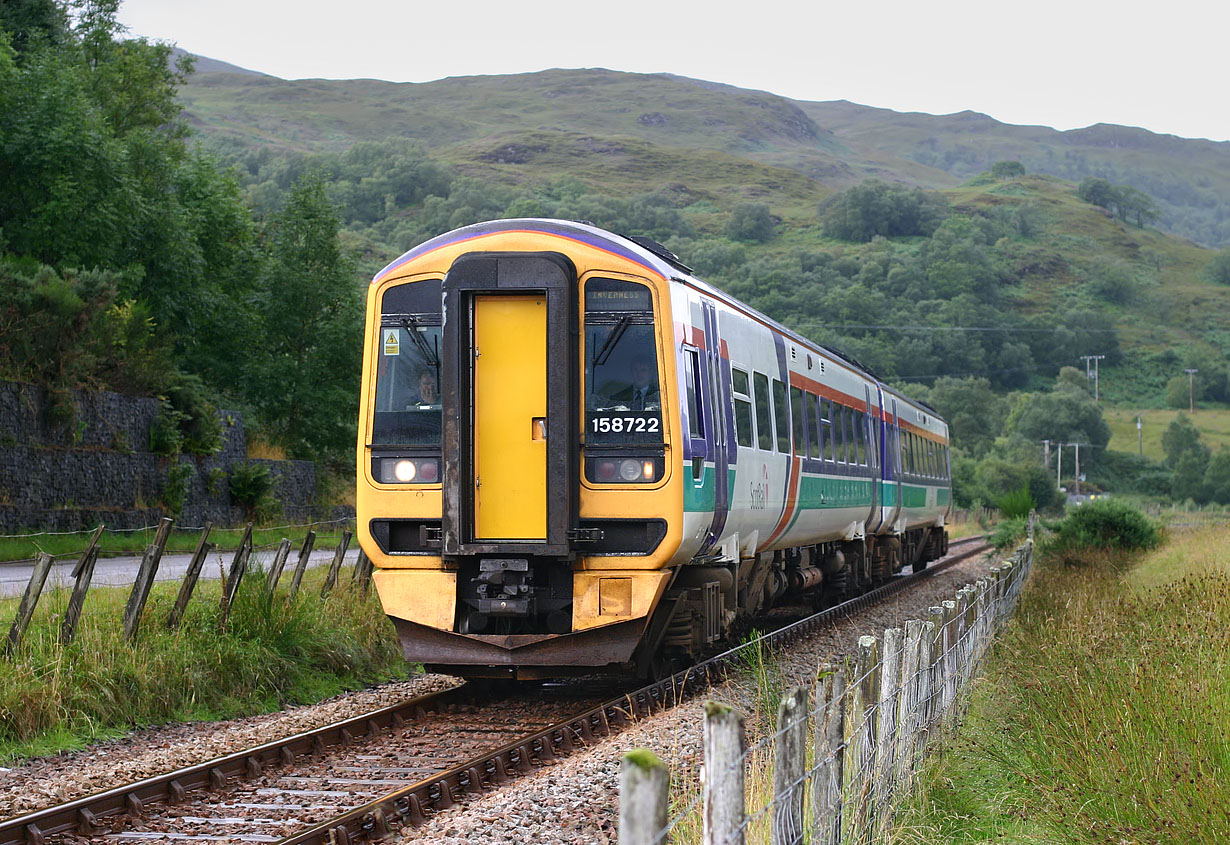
column 691, row 376
column 860, row 439
column 811, row 404
column 828, row 438
column 781, row 416
column 797, row 416
column 932, row 467
column 848, row 435
column 764, row 416
column 743, row 406
column 407, row 410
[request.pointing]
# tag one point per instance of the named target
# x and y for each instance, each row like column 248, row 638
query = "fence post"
column 305, row 552
column 826, row 783
column 145, row 579
column 203, row 548
column 926, row 684
column 336, row 566
column 789, row 764
column 860, row 733
column 644, row 784
column 948, row 656
column 29, row 600
column 725, row 745
column 83, row 573
column 910, row 701
column 363, row 571
column 890, row 684
column 279, row 561
column 239, row 565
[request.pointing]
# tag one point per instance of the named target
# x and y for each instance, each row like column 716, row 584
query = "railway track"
column 366, row 777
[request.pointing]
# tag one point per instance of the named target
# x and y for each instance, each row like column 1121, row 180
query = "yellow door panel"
column 510, row 409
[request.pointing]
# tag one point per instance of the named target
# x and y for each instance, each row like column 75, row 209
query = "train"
column 575, row 456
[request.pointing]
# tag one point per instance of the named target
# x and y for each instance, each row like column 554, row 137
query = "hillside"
column 468, row 119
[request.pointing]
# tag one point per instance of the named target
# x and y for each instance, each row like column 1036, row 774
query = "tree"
column 1097, row 191
column 1180, row 438
column 1218, row 268
column 1217, row 477
column 304, row 360
column 750, row 221
column 1068, row 415
column 1180, row 393
column 877, row 208
column 1007, row 169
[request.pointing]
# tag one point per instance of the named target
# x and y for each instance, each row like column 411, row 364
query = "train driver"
column 640, row 393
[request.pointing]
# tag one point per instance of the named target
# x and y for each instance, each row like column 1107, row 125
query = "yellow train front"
column 504, row 544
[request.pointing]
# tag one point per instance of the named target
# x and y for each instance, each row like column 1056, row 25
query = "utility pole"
column 1046, row 453
column 1191, row 393
column 1093, row 375
column 1059, row 465
column 1140, row 438
column 1076, row 480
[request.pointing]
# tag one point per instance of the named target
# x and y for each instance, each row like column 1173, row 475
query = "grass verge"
column 1101, row 717
column 272, row 651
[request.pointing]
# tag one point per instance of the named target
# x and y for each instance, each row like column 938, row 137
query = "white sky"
column 1065, row 64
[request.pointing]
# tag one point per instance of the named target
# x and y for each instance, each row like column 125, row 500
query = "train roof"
column 644, row 251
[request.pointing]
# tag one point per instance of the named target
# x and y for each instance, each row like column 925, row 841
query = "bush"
column 175, row 489
column 1103, row 524
column 1016, row 504
column 1009, row 533
column 251, row 485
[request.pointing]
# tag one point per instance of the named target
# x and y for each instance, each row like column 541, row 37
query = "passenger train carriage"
column 575, row 455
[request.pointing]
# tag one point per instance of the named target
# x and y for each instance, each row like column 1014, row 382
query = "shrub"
column 251, row 485
column 1103, row 524
column 175, row 489
column 1009, row 533
column 165, row 437
column 1016, row 504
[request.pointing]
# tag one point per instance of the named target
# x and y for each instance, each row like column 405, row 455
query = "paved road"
column 122, row 571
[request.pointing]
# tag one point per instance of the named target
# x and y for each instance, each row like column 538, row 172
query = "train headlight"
column 407, row 470
column 630, row 470
column 621, row 470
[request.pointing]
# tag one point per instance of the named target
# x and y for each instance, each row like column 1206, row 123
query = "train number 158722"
column 625, row 425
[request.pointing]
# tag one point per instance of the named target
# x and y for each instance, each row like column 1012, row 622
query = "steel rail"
column 413, row 804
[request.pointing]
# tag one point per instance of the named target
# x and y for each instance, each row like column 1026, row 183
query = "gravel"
column 574, row 800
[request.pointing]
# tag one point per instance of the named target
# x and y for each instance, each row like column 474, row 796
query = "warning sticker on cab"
column 391, row 344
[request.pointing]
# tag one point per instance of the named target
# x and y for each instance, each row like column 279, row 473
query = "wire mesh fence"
column 842, row 754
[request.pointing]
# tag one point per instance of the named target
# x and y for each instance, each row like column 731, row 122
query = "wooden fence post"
column 83, row 573
column 948, row 654
column 860, row 734
column 789, row 764
column 239, row 565
column 926, row 684
column 644, row 784
column 145, row 579
column 275, row 569
column 723, row 790
column 203, row 548
column 25, row 611
column 336, row 566
column 305, row 552
column 910, row 701
column 886, row 740
column 363, row 572
column 826, row 783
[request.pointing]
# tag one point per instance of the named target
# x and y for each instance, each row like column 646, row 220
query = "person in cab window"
column 641, row 392
column 428, row 394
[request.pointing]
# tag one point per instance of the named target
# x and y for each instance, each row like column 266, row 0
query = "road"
column 122, row 571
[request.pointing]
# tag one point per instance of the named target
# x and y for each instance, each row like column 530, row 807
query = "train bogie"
column 575, row 455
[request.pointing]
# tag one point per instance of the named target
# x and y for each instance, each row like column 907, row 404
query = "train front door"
column 510, row 418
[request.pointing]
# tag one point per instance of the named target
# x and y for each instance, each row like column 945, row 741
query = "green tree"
column 1218, row 268
column 1180, row 393
column 877, row 208
column 750, row 221
column 1217, row 477
column 304, row 360
column 1180, row 438
column 1067, row 415
column 1007, row 169
column 975, row 414
column 1097, row 191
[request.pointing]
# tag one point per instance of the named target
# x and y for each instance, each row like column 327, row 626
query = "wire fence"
column 843, row 753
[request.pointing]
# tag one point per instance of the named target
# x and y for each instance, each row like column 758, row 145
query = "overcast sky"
column 1060, row 63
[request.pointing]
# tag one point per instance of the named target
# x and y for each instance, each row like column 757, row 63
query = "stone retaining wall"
column 99, row 468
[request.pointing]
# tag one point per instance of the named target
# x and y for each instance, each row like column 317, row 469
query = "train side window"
column 781, row 416
column 691, row 376
column 764, row 424
column 810, row 403
column 743, row 407
column 860, row 422
column 800, row 426
column 828, row 436
column 847, row 421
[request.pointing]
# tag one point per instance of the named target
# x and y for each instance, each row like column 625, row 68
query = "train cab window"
column 800, row 426
column 407, row 409
column 623, row 403
column 743, row 406
column 781, row 416
column 691, row 378
column 764, row 417
column 811, row 404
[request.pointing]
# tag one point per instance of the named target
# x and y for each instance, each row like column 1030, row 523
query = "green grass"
column 272, row 652
column 28, row 544
column 1099, row 718
column 1212, row 423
